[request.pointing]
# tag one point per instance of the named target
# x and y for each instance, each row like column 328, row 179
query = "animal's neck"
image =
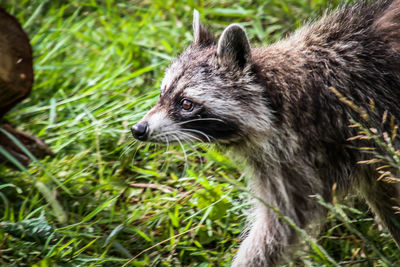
column 264, row 154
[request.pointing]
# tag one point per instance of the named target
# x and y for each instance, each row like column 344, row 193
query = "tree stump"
column 16, row 80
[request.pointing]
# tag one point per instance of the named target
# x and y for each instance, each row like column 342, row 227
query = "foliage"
column 105, row 200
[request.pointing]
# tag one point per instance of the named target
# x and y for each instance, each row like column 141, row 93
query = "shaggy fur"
column 273, row 106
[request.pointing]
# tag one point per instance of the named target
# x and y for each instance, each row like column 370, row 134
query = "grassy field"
column 106, row 200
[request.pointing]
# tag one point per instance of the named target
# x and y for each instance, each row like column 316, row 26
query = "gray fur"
column 234, row 47
column 273, row 107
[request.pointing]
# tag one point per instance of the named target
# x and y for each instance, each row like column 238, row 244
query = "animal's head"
column 209, row 93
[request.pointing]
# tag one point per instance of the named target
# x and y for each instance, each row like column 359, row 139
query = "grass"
column 98, row 67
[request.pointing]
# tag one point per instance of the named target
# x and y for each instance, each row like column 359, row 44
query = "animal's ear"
column 234, row 47
column 201, row 35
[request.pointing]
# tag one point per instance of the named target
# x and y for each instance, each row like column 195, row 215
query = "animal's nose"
column 140, row 130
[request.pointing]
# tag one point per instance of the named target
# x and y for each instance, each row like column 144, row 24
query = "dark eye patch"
column 205, row 125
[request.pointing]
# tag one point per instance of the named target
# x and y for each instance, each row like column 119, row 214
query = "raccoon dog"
column 273, row 106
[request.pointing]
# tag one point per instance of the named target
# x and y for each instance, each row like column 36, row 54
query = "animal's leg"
column 266, row 241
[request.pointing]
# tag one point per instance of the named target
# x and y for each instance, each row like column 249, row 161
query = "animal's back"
column 354, row 50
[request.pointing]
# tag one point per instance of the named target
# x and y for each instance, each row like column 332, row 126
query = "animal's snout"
column 140, row 130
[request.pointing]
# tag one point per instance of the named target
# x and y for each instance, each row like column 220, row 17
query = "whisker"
column 194, row 149
column 200, row 132
column 191, row 137
column 165, row 163
column 166, row 149
column 137, row 149
column 186, row 139
column 184, row 154
column 200, row 119
column 128, row 148
column 164, row 134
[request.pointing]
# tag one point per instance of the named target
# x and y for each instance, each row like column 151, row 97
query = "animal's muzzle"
column 140, row 131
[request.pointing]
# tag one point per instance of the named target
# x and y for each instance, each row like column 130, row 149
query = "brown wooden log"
column 35, row 145
column 16, row 69
column 16, row 80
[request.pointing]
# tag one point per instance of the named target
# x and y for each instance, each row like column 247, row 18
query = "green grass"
column 98, row 67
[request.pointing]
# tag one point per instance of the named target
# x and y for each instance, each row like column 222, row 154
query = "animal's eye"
column 187, row 105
